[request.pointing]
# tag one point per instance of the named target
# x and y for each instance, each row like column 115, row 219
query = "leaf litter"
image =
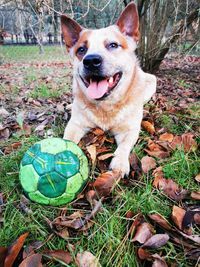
column 38, row 115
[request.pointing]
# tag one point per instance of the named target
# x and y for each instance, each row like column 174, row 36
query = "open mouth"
column 99, row 87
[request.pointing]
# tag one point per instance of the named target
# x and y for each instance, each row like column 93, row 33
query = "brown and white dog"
column 109, row 86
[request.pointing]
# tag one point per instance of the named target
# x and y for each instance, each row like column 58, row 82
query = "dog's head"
column 104, row 59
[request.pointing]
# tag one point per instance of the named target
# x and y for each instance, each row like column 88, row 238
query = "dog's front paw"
column 121, row 165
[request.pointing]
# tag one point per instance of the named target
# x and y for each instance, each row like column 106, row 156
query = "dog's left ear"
column 128, row 22
column 71, row 30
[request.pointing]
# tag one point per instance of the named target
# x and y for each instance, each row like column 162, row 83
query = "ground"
column 35, row 97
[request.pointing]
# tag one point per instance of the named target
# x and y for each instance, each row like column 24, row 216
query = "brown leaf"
column 191, row 217
column 148, row 126
column 166, row 137
column 32, row 261
column 98, row 131
column 64, row 233
column 93, row 153
column 105, row 156
column 14, row 250
column 3, row 253
column 91, row 196
column 160, row 220
column 129, row 214
column 168, row 186
column 144, row 254
column 156, row 150
column 177, row 216
column 195, row 195
column 197, row 178
column 177, row 142
column 61, row 255
column 30, row 249
column 193, row 254
column 27, row 129
column 148, row 163
column 78, row 219
column 186, row 141
column 4, row 133
column 197, row 218
column 106, row 182
column 194, row 238
column 158, row 261
column 156, row 241
column 87, row 259
column 135, row 165
column 143, row 232
column 75, row 220
column 189, row 143
column 12, row 147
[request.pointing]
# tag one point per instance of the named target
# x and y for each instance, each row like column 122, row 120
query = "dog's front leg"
column 74, row 131
column 125, row 141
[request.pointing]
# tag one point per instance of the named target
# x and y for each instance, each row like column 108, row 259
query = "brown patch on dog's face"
column 81, row 47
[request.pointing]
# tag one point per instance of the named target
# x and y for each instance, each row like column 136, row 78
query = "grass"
column 31, row 53
column 107, row 239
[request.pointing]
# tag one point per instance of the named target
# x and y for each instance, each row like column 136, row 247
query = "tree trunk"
column 155, row 63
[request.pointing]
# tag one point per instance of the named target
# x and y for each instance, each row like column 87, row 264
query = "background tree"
column 163, row 23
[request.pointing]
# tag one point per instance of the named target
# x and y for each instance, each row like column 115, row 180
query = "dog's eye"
column 113, row 45
column 81, row 50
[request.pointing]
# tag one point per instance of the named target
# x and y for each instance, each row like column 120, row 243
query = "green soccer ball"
column 53, row 171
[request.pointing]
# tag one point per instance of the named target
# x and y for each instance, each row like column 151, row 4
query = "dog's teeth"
column 110, row 81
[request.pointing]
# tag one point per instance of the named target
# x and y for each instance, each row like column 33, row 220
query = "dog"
column 109, row 86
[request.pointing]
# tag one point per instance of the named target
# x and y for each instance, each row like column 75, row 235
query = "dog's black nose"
column 92, row 61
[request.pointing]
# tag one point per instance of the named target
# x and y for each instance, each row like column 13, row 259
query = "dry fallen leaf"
column 148, row 126
column 93, row 153
column 106, row 182
column 185, row 141
column 148, row 163
column 156, row 150
column 3, row 254
column 166, row 137
column 87, row 259
column 143, row 232
column 158, row 261
column 160, row 220
column 189, row 143
column 9, row 149
column 195, row 195
column 177, row 216
column 14, row 250
column 63, row 256
column 191, row 217
column 197, row 178
column 156, row 241
column 105, row 156
column 168, row 186
column 4, row 133
column 135, row 165
column 177, row 142
column 144, row 254
column 98, row 131
column 33, row 260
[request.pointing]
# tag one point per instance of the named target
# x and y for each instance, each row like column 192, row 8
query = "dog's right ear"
column 70, row 30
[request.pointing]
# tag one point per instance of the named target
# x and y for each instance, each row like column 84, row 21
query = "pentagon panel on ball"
column 53, row 171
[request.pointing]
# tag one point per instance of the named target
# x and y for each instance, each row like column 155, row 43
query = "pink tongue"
column 97, row 90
